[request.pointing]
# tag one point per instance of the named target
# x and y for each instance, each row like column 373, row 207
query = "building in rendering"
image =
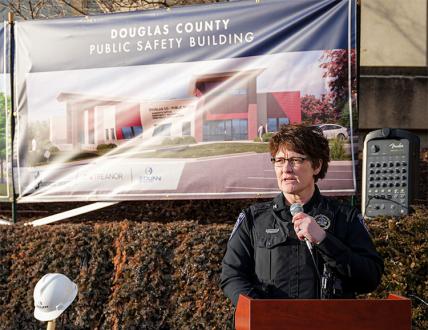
column 219, row 107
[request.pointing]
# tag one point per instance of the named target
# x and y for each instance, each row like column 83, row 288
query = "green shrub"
column 83, row 155
column 106, row 146
column 34, row 158
column 167, row 141
column 266, row 137
column 337, row 149
column 189, row 140
column 45, row 144
column 53, row 149
column 177, row 140
column 257, row 139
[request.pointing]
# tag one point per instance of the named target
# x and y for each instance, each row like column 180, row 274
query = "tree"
column 3, row 136
column 333, row 107
column 36, row 9
column 38, row 130
column 335, row 64
column 344, row 119
column 317, row 110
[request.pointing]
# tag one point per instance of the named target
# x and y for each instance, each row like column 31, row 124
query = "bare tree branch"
column 36, row 9
column 74, row 7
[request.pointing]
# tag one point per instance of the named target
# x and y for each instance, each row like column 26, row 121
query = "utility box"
column 390, row 170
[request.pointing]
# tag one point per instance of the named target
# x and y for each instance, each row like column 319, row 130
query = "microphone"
column 298, row 208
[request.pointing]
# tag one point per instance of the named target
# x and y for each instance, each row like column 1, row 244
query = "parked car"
column 333, row 131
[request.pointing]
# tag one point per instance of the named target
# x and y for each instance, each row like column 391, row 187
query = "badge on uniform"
column 323, row 221
column 238, row 222
column 272, row 230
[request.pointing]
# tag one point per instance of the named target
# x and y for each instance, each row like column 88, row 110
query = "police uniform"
column 265, row 259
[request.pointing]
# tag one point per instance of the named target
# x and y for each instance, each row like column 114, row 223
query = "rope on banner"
column 70, row 213
column 351, row 124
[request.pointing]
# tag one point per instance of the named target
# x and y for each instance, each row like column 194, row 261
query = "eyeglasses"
column 293, row 161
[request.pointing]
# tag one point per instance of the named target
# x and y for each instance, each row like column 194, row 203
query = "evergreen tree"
column 3, row 137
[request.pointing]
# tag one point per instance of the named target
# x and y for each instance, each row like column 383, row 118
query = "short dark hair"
column 306, row 140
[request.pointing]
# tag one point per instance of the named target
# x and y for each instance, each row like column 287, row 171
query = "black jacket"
column 264, row 258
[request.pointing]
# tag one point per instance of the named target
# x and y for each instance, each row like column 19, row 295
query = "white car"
column 333, row 131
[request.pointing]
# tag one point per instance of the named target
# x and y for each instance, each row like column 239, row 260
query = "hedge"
column 130, row 275
column 153, row 275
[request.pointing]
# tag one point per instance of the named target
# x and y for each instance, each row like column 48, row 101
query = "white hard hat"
column 53, row 293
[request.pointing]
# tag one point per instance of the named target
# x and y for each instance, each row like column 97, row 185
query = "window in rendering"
column 162, row 130
column 131, row 132
column 275, row 123
column 186, row 128
column 226, row 130
column 137, row 131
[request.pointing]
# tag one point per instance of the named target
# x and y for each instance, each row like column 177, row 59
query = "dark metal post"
column 12, row 111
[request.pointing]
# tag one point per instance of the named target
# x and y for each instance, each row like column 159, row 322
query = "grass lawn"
column 206, row 150
column 178, row 151
column 3, row 189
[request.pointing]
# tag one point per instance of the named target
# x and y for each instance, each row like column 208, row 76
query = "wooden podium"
column 393, row 313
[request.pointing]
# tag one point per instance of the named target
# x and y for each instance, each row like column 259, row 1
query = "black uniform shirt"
column 264, row 258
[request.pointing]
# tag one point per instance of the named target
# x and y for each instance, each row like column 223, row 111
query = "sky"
column 297, row 71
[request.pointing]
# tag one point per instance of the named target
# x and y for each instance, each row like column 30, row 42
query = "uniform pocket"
column 263, row 252
column 271, row 239
column 262, row 260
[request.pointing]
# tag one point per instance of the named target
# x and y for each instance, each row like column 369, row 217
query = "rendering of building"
column 220, row 107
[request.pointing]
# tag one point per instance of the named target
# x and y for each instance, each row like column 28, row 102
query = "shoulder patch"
column 361, row 219
column 238, row 222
